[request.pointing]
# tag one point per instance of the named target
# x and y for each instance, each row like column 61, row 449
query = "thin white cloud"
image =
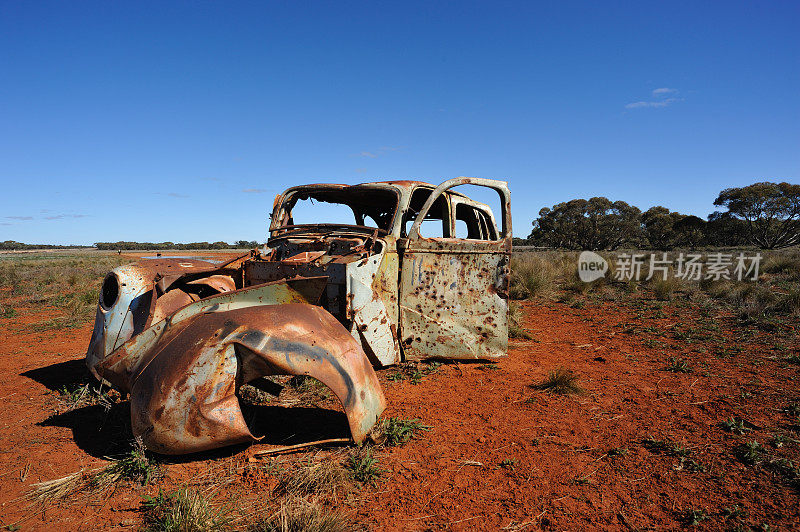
column 254, row 190
column 661, row 103
column 62, row 216
column 383, row 150
column 19, row 217
column 175, row 195
column 661, row 97
column 664, row 90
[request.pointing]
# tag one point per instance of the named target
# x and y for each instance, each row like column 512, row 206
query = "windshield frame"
column 286, row 202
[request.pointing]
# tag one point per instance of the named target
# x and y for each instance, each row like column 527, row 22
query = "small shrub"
column 84, row 395
column 667, row 447
column 134, row 467
column 562, row 382
column 687, row 464
column 413, row 373
column 781, row 263
column 790, row 302
column 793, row 409
column 617, row 451
column 396, row 376
column 779, row 440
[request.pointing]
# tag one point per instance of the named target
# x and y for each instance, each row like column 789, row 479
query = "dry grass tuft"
column 531, row 276
column 515, row 329
column 561, row 382
column 310, row 477
column 185, row 510
column 296, row 514
column 135, row 467
column 60, row 488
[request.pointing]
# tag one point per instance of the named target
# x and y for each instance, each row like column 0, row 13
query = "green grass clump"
column 397, row 431
column 136, row 466
column 694, row 517
column 668, row 447
column 735, row 425
column 363, row 466
column 678, row 365
column 749, row 452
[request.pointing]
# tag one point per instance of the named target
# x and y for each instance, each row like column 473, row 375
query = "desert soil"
column 499, row 454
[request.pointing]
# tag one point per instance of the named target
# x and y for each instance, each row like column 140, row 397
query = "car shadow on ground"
column 61, row 375
column 96, row 430
column 279, row 425
column 103, row 431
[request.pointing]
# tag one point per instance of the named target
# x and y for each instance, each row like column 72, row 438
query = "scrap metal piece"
column 183, row 386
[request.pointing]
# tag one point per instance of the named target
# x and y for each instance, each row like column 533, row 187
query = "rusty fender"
column 183, row 388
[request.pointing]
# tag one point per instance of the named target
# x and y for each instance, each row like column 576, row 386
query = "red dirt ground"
column 558, row 473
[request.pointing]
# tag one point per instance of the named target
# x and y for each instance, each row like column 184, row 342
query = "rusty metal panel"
column 183, row 386
column 451, row 306
column 369, row 288
column 454, row 292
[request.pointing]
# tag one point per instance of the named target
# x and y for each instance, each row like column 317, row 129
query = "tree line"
column 127, row 246
column 766, row 215
column 13, row 245
column 171, row 245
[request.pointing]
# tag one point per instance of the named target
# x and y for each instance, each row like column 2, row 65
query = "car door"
column 454, row 291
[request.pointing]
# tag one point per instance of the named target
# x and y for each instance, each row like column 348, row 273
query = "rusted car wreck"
column 325, row 300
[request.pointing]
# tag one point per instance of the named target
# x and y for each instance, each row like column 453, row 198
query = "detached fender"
column 183, row 388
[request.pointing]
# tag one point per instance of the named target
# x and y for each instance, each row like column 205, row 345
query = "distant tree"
column 691, row 231
column 725, row 230
column 659, row 227
column 771, row 212
column 596, row 223
column 666, row 230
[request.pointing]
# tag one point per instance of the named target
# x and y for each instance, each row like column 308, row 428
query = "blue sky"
column 181, row 121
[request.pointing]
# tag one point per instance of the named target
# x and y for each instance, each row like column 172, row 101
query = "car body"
column 327, row 300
